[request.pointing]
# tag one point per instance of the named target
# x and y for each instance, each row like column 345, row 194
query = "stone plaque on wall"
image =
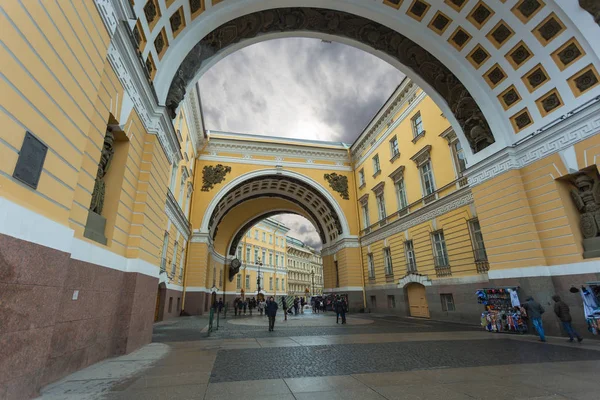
column 31, row 161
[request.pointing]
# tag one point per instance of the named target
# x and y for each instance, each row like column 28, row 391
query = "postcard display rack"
column 502, row 311
column 590, row 294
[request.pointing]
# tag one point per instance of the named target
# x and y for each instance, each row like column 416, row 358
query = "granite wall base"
column 170, row 304
column 59, row 315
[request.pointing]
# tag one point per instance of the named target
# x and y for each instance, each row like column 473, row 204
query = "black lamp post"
column 313, row 281
column 259, row 263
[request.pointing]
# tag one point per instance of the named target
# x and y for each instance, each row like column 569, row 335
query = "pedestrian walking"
column 562, row 311
column 340, row 309
column 260, row 307
column 302, row 304
column 240, row 306
column 535, row 311
column 285, row 308
column 220, row 305
column 245, row 306
column 235, row 306
column 296, row 305
column 272, row 313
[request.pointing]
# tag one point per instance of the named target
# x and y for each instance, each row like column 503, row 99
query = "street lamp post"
column 313, row 282
column 258, row 264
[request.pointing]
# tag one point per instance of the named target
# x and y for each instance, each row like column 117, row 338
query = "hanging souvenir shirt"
column 514, row 298
column 590, row 307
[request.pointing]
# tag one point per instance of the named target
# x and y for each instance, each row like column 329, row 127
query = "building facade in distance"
column 305, row 269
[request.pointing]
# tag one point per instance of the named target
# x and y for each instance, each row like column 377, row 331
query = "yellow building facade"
column 118, row 209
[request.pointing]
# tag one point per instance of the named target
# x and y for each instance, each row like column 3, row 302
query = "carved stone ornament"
column 587, row 201
column 213, row 176
column 593, row 7
column 106, row 156
column 338, row 183
column 377, row 36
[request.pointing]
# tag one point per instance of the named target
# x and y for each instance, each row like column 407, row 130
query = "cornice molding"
column 193, row 112
column 422, row 156
column 274, row 163
column 176, row 215
column 126, row 64
column 348, row 242
column 378, row 188
column 398, row 174
column 569, row 130
column 442, row 206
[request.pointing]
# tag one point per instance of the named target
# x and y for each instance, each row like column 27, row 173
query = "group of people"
column 533, row 310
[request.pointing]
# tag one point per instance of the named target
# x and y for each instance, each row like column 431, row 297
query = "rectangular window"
column 247, row 282
column 248, row 234
column 361, row 177
column 387, row 260
column 163, row 261
column 411, row 262
column 264, row 257
column 282, row 284
column 381, row 206
column 276, row 283
column 401, row 194
column 417, row 124
column 391, row 301
column 365, row 210
column 276, row 259
column 270, row 258
column 239, row 281
column 394, row 150
column 270, row 239
column 239, row 253
column 439, row 248
column 255, row 255
column 256, row 234
column 371, row 266
column 264, row 239
column 447, row 302
column 374, row 301
column 460, row 159
column 271, row 283
column 376, row 166
column 174, row 261
column 477, row 238
column 427, row 179
column 247, row 254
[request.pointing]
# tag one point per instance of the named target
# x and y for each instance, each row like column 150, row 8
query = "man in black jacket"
column 562, row 311
column 271, row 312
column 534, row 312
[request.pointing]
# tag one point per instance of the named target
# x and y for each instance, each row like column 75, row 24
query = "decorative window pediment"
column 422, row 156
column 377, row 189
column 449, row 135
column 364, row 199
column 398, row 174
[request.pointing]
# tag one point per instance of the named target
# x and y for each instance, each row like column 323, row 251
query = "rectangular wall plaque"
column 31, row 161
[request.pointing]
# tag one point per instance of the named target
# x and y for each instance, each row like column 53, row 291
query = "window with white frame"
column 417, row 125
column 163, row 261
column 276, row 283
column 174, row 261
column 247, row 282
column 248, row 234
column 270, row 283
column 477, row 239
column 264, row 256
column 282, row 284
column 411, row 261
column 239, row 281
column 173, row 177
column 271, row 259
column 439, row 249
column 460, row 160
column 380, row 206
column 371, row 266
column 239, row 252
column 277, row 259
column 401, row 194
column 361, row 177
column 264, row 237
column 387, row 261
column 256, row 234
column 255, row 255
column 427, row 178
column 181, row 191
column 376, row 166
column 447, row 302
column 247, row 254
column 270, row 239
column 394, row 150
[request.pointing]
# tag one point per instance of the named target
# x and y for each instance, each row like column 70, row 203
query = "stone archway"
column 470, row 118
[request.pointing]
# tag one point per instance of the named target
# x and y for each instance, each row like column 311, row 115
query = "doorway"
column 417, row 300
column 160, row 302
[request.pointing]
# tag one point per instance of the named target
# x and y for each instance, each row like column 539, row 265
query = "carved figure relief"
column 587, row 201
column 593, row 7
column 213, row 176
column 338, row 183
column 106, row 156
column 379, row 37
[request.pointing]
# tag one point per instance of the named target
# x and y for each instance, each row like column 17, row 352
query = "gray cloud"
column 298, row 88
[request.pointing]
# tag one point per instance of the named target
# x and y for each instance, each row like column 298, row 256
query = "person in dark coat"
column 340, row 310
column 285, row 309
column 534, row 312
column 271, row 312
column 562, row 311
column 220, row 305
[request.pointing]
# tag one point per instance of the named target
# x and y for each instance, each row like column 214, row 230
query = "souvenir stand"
column 590, row 295
column 502, row 311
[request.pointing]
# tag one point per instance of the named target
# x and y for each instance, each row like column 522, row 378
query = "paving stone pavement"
column 313, row 358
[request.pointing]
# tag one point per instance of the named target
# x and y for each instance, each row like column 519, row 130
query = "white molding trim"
column 439, row 207
column 274, row 163
column 263, row 172
column 414, row 278
column 342, row 243
column 585, row 267
column 194, row 118
column 24, row 224
column 574, row 128
column 343, row 289
column 172, row 286
column 176, row 215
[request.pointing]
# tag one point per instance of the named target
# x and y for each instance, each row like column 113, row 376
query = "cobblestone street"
column 371, row 357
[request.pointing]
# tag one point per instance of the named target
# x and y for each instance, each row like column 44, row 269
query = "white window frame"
column 376, row 164
column 387, row 261
column 255, row 254
column 456, row 152
column 447, row 300
column 411, row 260
column 270, row 283
column 394, row 149
column 417, row 124
column 365, row 211
column 400, row 188
column 440, row 251
column 239, row 281
column 248, row 282
column 371, row 265
column 380, row 206
column 361, row 177
column 264, row 237
column 426, row 169
column 256, row 234
column 479, row 251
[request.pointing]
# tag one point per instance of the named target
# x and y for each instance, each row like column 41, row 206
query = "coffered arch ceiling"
column 504, row 69
column 301, row 197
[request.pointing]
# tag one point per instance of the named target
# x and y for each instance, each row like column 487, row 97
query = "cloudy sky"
column 299, row 88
